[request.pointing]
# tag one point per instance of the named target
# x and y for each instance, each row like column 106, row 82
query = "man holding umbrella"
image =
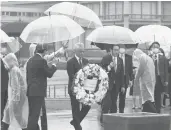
column 114, row 65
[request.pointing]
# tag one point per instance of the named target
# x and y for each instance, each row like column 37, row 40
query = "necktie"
column 80, row 62
column 156, row 66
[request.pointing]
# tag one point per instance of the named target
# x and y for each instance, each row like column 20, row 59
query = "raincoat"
column 16, row 110
column 146, row 75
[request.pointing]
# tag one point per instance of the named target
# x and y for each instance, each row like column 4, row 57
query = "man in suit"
column 73, row 66
column 37, row 72
column 161, row 71
column 169, row 84
column 128, row 76
column 114, row 65
column 4, row 84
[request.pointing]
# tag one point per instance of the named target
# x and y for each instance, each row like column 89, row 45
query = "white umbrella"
column 151, row 33
column 113, row 35
column 81, row 14
column 14, row 45
column 4, row 37
column 49, row 29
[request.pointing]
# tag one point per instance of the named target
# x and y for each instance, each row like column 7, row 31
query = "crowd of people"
column 147, row 72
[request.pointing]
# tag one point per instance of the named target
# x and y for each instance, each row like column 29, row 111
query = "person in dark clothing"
column 73, row 66
column 161, row 71
column 169, row 85
column 4, row 84
column 114, row 65
column 37, row 72
column 128, row 76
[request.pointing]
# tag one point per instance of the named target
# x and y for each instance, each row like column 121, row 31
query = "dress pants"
column 157, row 93
column 122, row 98
column 44, row 125
column 78, row 115
column 149, row 106
column 114, row 96
column 35, row 105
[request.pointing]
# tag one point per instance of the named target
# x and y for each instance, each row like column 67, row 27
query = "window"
column 40, row 14
column 95, row 6
column 113, row 9
column 29, row 14
column 166, row 8
column 19, row 13
column 2, row 13
column 13, row 13
column 144, row 9
column 7, row 13
column 23, row 13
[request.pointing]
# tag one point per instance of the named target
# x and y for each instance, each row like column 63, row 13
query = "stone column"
column 101, row 8
column 159, row 11
column 126, row 13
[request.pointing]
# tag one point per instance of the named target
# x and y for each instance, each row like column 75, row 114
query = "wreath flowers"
column 94, row 77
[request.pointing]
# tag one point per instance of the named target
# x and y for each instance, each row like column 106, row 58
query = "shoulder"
column 70, row 60
column 128, row 56
column 85, row 59
column 107, row 57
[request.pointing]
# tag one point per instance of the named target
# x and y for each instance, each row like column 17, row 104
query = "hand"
column 170, row 62
column 166, row 83
column 111, row 65
column 130, row 83
column 123, row 90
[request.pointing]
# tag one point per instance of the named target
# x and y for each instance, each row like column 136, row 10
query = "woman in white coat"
column 16, row 110
column 146, row 75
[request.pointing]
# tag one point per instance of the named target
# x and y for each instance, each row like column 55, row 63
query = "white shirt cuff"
column 54, row 65
column 108, row 68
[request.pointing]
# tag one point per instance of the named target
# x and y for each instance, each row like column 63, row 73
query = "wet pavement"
column 60, row 120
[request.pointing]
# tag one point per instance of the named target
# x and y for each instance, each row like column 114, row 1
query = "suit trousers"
column 78, row 115
column 44, row 125
column 35, row 105
column 4, row 98
column 157, row 93
column 114, row 96
column 122, row 98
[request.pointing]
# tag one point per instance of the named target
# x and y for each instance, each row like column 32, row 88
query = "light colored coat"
column 16, row 110
column 146, row 75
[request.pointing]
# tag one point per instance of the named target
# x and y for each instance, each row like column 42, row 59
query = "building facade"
column 130, row 14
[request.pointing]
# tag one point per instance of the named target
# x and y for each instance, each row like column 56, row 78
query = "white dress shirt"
column 78, row 59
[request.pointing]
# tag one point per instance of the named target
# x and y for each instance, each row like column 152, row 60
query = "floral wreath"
column 89, row 97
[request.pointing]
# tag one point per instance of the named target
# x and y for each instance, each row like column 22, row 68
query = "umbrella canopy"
column 49, row 29
column 14, row 45
column 151, row 33
column 81, row 14
column 113, row 35
column 4, row 37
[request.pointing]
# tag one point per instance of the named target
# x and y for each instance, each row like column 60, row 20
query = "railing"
column 111, row 17
column 144, row 16
column 57, row 91
column 166, row 17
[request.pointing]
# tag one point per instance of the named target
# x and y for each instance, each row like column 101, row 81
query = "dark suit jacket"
column 163, row 69
column 36, row 75
column 72, row 68
column 128, row 69
column 169, row 85
column 117, row 76
column 4, row 77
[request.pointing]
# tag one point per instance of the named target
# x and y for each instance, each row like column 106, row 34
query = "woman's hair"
column 11, row 60
column 162, row 51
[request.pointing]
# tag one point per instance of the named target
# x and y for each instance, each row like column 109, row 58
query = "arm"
column 166, row 64
column 122, row 73
column 49, row 71
column 131, row 75
column 14, row 83
column 54, row 54
column 141, row 68
column 104, row 64
column 70, row 70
